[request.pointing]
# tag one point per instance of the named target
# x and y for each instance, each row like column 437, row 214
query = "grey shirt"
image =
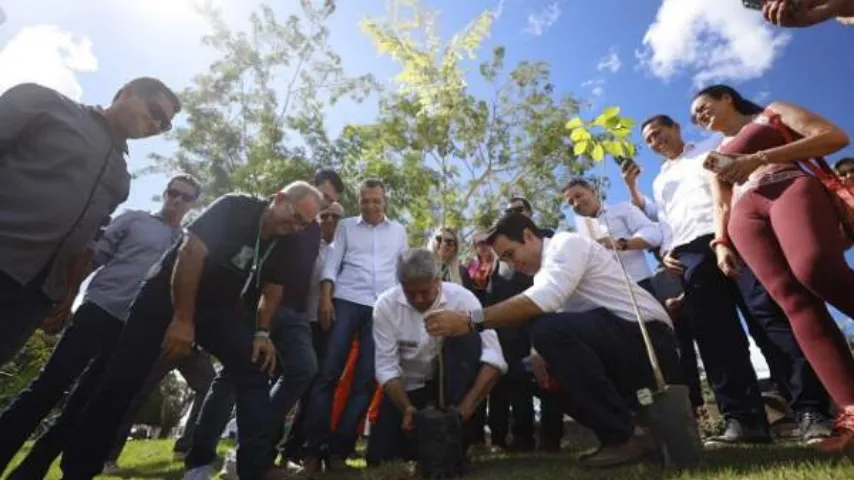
column 61, row 176
column 131, row 244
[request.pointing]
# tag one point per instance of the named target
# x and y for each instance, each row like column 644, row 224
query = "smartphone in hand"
column 716, row 161
column 753, row 4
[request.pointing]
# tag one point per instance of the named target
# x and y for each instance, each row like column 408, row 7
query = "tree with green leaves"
column 256, row 117
column 453, row 153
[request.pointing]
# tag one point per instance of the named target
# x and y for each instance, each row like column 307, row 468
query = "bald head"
column 329, row 219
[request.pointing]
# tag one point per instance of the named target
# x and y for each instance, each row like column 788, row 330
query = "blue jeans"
column 219, row 330
column 298, row 366
column 82, row 352
column 351, row 320
column 22, row 309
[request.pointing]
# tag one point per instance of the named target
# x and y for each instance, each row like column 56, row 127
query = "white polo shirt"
column 578, row 275
column 683, row 196
column 403, row 348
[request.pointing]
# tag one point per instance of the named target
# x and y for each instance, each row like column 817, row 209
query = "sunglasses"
column 330, row 216
column 159, row 116
column 515, row 210
column 172, row 193
column 450, row 242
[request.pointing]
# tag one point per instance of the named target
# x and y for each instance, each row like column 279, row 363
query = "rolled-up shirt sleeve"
column 650, row 209
column 564, row 263
column 335, row 253
column 641, row 226
column 386, row 355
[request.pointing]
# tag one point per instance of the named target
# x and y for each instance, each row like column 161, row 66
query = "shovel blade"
column 672, row 421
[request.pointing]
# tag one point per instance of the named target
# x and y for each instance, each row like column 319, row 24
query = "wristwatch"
column 476, row 320
column 262, row 333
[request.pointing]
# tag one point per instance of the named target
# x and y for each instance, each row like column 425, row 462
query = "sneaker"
column 311, row 467
column 814, row 427
column 843, row 440
column 205, row 472
column 737, row 432
column 110, row 468
column 635, row 450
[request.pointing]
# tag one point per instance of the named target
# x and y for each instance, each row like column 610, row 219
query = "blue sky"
column 645, row 56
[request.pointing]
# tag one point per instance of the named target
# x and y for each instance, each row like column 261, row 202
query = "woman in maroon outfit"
column 786, row 228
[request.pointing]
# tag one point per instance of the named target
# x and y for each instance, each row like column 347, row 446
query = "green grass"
column 153, row 460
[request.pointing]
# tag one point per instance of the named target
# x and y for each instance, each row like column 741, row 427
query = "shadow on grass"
column 160, row 469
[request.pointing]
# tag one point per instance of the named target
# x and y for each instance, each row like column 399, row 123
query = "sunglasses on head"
column 159, row 116
column 329, row 216
column 515, row 210
column 172, row 193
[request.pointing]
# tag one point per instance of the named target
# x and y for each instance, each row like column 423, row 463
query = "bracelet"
column 262, row 334
column 719, row 241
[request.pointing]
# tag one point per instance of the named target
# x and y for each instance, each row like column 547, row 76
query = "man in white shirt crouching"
column 407, row 357
column 584, row 328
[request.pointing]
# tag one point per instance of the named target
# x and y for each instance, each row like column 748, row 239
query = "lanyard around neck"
column 258, row 259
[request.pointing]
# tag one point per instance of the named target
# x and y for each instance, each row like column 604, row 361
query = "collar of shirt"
column 361, row 221
column 98, row 113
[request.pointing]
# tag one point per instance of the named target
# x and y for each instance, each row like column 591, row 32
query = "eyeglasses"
column 171, row 192
column 330, row 216
column 450, row 242
column 159, row 116
column 514, row 210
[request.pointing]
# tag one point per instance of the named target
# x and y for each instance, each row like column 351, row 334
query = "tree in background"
column 256, row 118
column 453, row 154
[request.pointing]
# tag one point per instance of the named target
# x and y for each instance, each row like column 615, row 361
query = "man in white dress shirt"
column 406, row 356
column 631, row 231
column 585, row 329
column 683, row 200
column 360, row 266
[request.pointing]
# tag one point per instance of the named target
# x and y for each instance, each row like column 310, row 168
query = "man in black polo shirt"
column 207, row 287
column 291, row 336
column 62, row 173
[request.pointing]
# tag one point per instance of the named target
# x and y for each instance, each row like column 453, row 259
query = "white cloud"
column 710, row 40
column 597, row 86
column 49, row 56
column 540, row 22
column 499, row 9
column 611, row 61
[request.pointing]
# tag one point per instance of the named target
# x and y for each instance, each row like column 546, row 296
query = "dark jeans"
column 513, row 391
column 297, row 365
column 717, row 329
column 91, row 334
column 293, row 449
column 462, row 362
column 22, row 309
column 772, row 332
column 600, row 363
column 351, row 320
column 551, row 420
column 219, row 330
column 685, row 339
column 516, row 395
column 197, row 371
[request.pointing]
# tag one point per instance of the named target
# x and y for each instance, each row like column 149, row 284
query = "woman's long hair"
column 452, row 267
column 741, row 104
